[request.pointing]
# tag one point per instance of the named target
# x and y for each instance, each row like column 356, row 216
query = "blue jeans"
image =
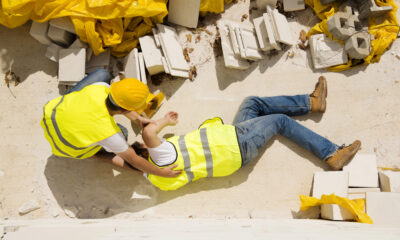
column 98, row 75
column 258, row 119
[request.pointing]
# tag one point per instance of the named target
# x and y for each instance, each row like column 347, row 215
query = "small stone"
column 28, row 207
column 198, row 38
column 244, row 17
column 189, row 37
column 303, row 36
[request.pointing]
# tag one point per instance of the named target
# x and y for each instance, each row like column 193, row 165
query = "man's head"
column 128, row 94
column 141, row 149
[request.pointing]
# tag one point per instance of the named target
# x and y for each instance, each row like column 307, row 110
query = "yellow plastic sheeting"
column 354, row 206
column 214, row 6
column 384, row 29
column 102, row 23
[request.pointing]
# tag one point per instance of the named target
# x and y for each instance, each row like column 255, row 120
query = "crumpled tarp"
column 117, row 24
column 356, row 207
column 385, row 30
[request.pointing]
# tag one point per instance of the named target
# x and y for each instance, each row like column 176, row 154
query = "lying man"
column 216, row 150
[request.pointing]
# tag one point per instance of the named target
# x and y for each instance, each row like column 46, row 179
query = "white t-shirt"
column 116, row 143
column 163, row 155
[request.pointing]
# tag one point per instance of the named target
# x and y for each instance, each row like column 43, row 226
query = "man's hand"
column 169, row 172
column 171, row 118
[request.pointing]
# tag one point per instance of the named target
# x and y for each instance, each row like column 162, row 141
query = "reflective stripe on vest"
column 186, row 158
column 207, row 152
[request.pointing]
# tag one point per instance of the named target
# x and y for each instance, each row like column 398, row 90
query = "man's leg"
column 98, row 75
column 254, row 133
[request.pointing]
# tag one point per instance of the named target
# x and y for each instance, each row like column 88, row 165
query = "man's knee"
column 281, row 119
column 102, row 75
column 249, row 101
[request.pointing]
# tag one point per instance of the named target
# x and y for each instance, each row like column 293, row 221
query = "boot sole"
column 322, row 81
column 356, row 146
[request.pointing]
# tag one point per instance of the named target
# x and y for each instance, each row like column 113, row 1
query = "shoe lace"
column 343, row 146
column 315, row 90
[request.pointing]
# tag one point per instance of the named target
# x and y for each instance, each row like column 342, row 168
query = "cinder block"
column 60, row 36
column 131, row 65
column 293, row 5
column 362, row 171
column 390, row 181
column 231, row 61
column 152, row 55
column 39, row 32
column 326, row 52
column 342, row 25
column 369, row 8
column 262, row 4
column 184, row 12
column 63, row 23
column 100, row 61
column 281, row 27
column 358, row 46
column 143, row 77
column 383, row 207
column 324, row 2
column 262, row 34
column 52, row 52
column 71, row 66
column 330, row 182
column 272, row 35
column 248, row 40
column 335, row 212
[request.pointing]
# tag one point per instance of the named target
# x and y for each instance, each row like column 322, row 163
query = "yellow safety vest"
column 210, row 151
column 77, row 120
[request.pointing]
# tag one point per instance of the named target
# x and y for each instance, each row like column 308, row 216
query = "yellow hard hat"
column 130, row 94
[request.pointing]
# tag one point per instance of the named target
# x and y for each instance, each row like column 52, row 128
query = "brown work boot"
column 318, row 97
column 343, row 155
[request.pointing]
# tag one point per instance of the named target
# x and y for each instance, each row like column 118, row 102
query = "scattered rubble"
column 244, row 17
column 192, row 73
column 186, row 54
column 28, row 207
column 303, row 36
column 189, row 37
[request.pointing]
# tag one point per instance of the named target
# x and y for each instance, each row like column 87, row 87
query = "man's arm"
column 150, row 131
column 137, row 118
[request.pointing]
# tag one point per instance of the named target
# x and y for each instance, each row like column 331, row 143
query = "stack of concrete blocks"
column 293, row 5
column 334, row 182
column 346, row 26
column 184, row 12
column 134, row 66
column 368, row 8
column 326, row 52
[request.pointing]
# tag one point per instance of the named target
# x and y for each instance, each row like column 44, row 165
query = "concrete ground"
column 362, row 104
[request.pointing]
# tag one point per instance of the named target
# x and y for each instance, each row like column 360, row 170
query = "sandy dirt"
column 362, row 104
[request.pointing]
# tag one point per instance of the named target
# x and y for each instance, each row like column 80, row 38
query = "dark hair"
column 143, row 152
column 112, row 106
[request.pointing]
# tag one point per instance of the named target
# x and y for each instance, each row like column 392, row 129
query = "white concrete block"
column 152, row 55
column 281, row 27
column 156, row 37
column 240, row 43
column 293, row 5
column 52, row 52
column 142, row 67
column 262, row 34
column 28, row 207
column 60, row 36
column 271, row 32
column 131, row 65
column 353, row 196
column 173, row 51
column 184, row 12
column 63, row 23
column 231, row 61
column 390, row 181
column 363, row 190
column 326, row 52
column 234, row 40
column 262, row 4
column 363, row 171
column 330, row 182
column 100, row 61
column 39, row 32
column 71, row 66
column 78, row 44
column 250, row 44
column 383, row 207
column 165, row 64
column 335, row 212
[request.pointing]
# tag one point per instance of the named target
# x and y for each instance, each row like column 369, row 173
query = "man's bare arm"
column 151, row 131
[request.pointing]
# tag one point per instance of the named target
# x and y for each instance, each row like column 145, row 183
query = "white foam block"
column 271, row 32
column 184, row 12
column 390, row 181
column 281, row 27
column 326, row 52
column 131, row 65
column 173, row 50
column 60, row 36
column 100, row 61
column 293, row 5
column 335, row 182
column 262, row 34
column 363, row 171
column 231, row 61
column 152, row 55
column 143, row 77
column 71, row 65
column 63, row 23
column 383, row 207
column 39, row 32
column 250, row 45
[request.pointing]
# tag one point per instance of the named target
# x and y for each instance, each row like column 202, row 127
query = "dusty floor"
column 362, row 104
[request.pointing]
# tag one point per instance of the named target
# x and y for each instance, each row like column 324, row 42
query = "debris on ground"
column 189, row 37
column 244, row 17
column 28, row 207
column 186, row 54
column 208, row 32
column 192, row 73
column 303, row 36
column 198, row 38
